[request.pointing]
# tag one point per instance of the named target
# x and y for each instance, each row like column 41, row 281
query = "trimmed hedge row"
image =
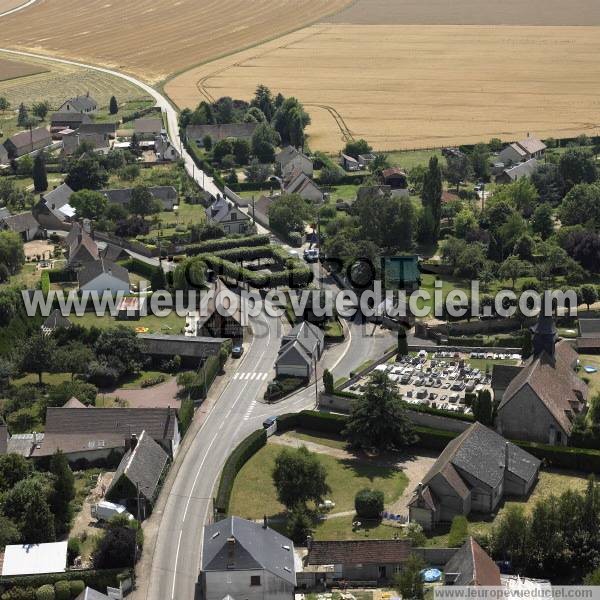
column 94, row 578
column 212, row 246
column 238, row 458
column 509, row 342
column 140, row 268
column 61, row 275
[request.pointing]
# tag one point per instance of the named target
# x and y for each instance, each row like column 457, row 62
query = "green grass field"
column 170, row 325
column 593, row 360
column 408, row 159
column 254, row 494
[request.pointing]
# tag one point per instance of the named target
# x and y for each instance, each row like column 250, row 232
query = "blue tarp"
column 590, row 369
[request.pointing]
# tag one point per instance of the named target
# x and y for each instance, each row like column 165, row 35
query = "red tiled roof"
column 358, row 552
column 485, row 570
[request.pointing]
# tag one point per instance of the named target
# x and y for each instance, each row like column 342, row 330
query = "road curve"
column 204, row 181
column 17, row 8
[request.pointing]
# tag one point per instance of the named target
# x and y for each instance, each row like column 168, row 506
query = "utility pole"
column 316, row 382
column 253, row 210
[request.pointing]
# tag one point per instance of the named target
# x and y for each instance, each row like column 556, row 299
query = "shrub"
column 295, row 239
column 45, row 282
column 45, row 592
column 73, row 549
column 62, row 590
column 150, row 381
column 369, row 504
column 77, row 587
column 18, row 593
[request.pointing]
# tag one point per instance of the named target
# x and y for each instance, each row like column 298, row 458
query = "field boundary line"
column 18, row 8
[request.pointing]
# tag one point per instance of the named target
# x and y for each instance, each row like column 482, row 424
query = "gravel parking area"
column 440, row 379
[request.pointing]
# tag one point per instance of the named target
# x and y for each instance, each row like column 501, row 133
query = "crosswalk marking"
column 250, row 409
column 250, row 375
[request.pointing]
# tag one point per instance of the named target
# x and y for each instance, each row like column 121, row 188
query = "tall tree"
column 134, row 146
column 290, row 120
column 299, row 477
column 142, row 202
column 41, row 109
column 577, row 166
column 22, row 116
column 40, row 178
column 263, row 100
column 64, row 491
column 113, row 106
column 89, row 204
column 409, row 581
column 86, row 173
column 4, row 104
column 458, row 169
column 36, row 354
column 11, row 251
column 378, row 419
column 432, row 193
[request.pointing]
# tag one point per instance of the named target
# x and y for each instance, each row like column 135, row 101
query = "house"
column 240, row 131
column 67, row 120
column 94, row 433
column 114, row 253
column 25, row 224
column 27, row 141
column 34, row 559
column 212, row 323
column 164, row 149
column 471, row 566
column 524, row 169
column 231, row 218
column 138, row 476
column 191, row 349
column 300, row 350
column 396, row 178
column 373, row 561
column 148, row 128
column 106, row 130
column 4, row 160
column 472, row 474
column 349, row 163
column 242, row 559
column 165, row 194
column 81, row 248
column 290, row 159
column 542, row 401
column 522, row 151
column 364, row 160
column 95, row 141
column 589, row 336
column 53, row 210
column 102, row 276
column 54, row 321
column 80, row 104
column 304, row 186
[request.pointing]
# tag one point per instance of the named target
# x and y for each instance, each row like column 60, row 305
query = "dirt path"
column 414, row 466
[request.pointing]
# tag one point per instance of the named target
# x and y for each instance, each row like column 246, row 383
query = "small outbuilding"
column 35, row 559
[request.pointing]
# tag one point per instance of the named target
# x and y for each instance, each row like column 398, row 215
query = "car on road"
column 311, row 255
column 237, row 351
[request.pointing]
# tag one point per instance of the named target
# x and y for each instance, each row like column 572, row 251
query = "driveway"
column 162, row 395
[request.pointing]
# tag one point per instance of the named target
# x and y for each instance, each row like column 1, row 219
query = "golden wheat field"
column 12, row 69
column 6, row 5
column 151, row 38
column 55, row 82
column 415, row 86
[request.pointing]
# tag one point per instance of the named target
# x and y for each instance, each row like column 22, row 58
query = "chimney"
column 231, row 547
column 133, row 440
column 506, row 448
column 265, row 522
column 308, row 542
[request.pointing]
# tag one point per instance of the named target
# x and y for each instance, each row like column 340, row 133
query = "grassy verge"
column 592, row 360
column 169, row 325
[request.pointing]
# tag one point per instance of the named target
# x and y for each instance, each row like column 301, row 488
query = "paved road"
column 17, row 8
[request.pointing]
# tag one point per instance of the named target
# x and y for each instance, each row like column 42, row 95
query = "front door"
column 382, row 573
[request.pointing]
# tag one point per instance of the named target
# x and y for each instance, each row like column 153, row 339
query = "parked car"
column 237, row 351
column 105, row 511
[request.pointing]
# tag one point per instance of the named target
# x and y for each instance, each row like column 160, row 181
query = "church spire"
column 544, row 331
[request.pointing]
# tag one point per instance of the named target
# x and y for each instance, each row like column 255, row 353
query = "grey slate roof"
column 113, row 253
column 472, row 566
column 91, row 270
column 56, row 319
column 481, row 453
column 143, row 466
column 90, row 594
column 107, row 129
column 148, row 125
column 20, row 222
column 25, row 138
column 309, row 336
column 167, row 194
column 502, row 375
column 59, row 196
column 184, row 346
column 254, row 547
column 82, row 103
column 72, row 118
column 524, row 169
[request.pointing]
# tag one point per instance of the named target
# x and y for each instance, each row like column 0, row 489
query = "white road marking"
column 176, row 559
column 236, row 375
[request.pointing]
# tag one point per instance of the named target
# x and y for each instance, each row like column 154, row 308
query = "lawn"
column 593, row 360
column 485, row 365
column 550, row 482
column 169, row 325
column 410, row 159
column 125, row 109
column 47, row 378
column 254, row 494
column 26, row 278
column 340, row 528
column 318, row 438
column 135, row 382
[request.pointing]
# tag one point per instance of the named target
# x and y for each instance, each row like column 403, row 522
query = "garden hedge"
column 95, row 578
column 61, row 275
column 211, row 246
column 237, row 459
column 140, row 268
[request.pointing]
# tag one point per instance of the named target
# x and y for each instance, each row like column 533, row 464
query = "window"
column 255, row 580
column 233, row 216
